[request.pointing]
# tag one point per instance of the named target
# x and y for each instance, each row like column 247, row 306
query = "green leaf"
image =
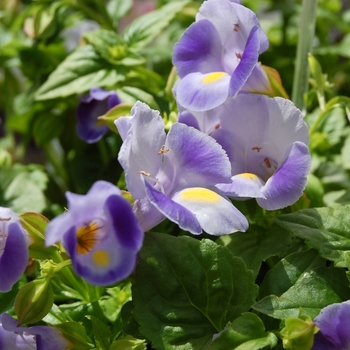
column 324, row 229
column 101, row 333
column 123, row 109
column 76, row 334
column 256, row 246
column 301, row 282
column 119, row 8
column 246, row 332
column 145, row 28
column 128, row 343
column 130, row 95
column 80, row 71
column 187, row 290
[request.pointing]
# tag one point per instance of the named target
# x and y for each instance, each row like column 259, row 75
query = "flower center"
column 101, row 258
column 88, row 236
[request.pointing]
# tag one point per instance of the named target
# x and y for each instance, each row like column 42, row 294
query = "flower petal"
column 245, row 185
column 15, row 257
column 173, row 211
column 216, row 215
column 286, row 185
column 139, row 150
column 198, row 50
column 200, row 92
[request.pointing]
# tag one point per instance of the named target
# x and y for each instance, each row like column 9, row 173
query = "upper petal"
column 139, row 151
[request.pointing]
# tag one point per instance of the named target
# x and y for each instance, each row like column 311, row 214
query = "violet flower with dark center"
column 266, row 140
column 98, row 103
column 217, row 56
column 174, row 175
column 13, row 337
column 100, row 233
column 334, row 324
column 14, row 254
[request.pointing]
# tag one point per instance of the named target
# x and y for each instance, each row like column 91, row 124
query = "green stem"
column 102, row 148
column 305, row 40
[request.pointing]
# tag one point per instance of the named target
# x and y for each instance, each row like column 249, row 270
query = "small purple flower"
column 13, row 337
column 334, row 325
column 99, row 102
column 100, row 233
column 217, row 56
column 266, row 140
column 14, row 254
column 174, row 175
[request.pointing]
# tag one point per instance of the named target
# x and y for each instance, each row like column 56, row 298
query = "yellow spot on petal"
column 101, row 258
column 248, row 176
column 213, row 77
column 88, row 236
column 202, row 194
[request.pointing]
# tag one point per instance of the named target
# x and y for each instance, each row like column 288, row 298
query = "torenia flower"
column 174, row 175
column 266, row 140
column 217, row 56
column 100, row 233
column 99, row 101
column 334, row 325
column 14, row 255
column 13, row 337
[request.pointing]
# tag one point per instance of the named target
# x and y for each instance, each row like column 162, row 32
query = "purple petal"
column 247, row 63
column 334, row 333
column 14, row 259
column 173, row 211
column 286, row 185
column 139, row 151
column 245, row 185
column 57, row 228
column 200, row 92
column 199, row 50
column 147, row 214
column 189, row 119
column 216, row 215
column 197, row 159
column 258, row 81
column 124, row 223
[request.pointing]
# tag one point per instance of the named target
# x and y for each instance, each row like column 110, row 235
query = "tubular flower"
column 99, row 101
column 174, row 175
column 13, row 337
column 217, row 56
column 100, row 233
column 14, row 255
column 334, row 325
column 266, row 140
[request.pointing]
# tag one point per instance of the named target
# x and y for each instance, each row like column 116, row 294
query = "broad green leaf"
column 130, row 95
column 119, row 8
column 345, row 152
column 102, row 334
column 187, row 290
column 123, row 109
column 287, row 272
column 245, row 332
column 76, row 334
column 254, row 247
column 145, row 28
column 324, row 229
column 313, row 290
column 128, row 343
column 80, row 71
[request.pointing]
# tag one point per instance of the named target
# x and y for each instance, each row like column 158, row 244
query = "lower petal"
column 200, row 92
column 216, row 215
column 173, row 211
column 287, row 184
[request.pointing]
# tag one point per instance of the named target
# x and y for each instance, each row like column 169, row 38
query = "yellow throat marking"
column 101, row 258
column 213, row 77
column 202, row 194
column 248, row 176
column 87, row 237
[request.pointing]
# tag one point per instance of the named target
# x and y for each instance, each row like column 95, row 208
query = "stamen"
column 163, row 150
column 141, row 172
column 5, row 219
column 88, row 237
column 256, row 148
column 238, row 55
column 236, row 27
column 267, row 162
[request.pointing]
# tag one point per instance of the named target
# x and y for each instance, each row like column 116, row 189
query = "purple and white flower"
column 334, row 325
column 14, row 242
column 174, row 175
column 13, row 337
column 99, row 102
column 100, row 233
column 217, row 56
column 266, row 140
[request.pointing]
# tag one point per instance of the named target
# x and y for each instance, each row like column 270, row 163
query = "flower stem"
column 305, row 40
